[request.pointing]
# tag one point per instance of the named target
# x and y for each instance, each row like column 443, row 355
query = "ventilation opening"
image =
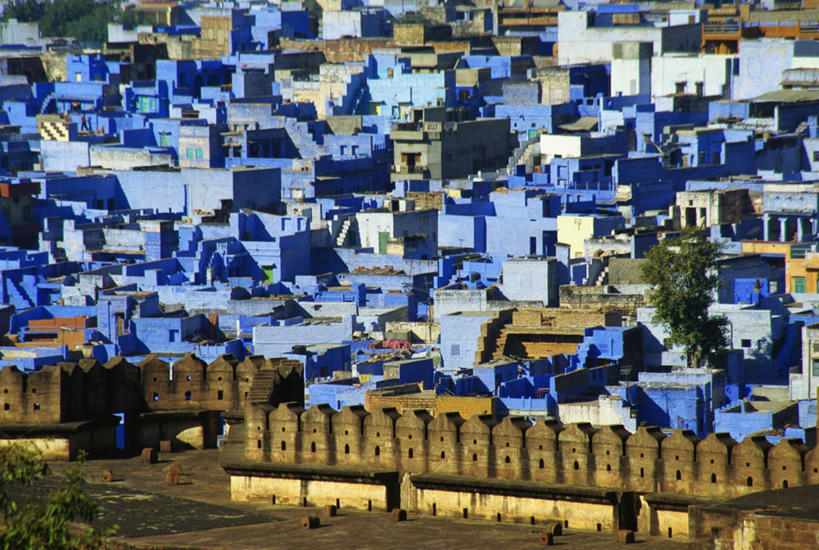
column 466, row 513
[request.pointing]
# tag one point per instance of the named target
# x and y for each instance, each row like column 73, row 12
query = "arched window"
column 409, row 455
column 474, row 458
column 679, row 475
column 443, row 455
column 313, row 447
column 540, row 464
column 608, row 467
column 749, row 481
column 713, row 478
column 576, row 465
column 346, row 449
column 508, row 460
column 284, row 446
column 377, row 450
column 784, row 483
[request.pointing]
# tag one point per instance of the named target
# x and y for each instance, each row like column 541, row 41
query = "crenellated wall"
column 646, row 461
column 89, row 389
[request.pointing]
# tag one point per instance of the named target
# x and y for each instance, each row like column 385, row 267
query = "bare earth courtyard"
column 198, row 513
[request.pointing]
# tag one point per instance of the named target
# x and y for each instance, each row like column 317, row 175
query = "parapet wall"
column 88, row 389
column 415, row 442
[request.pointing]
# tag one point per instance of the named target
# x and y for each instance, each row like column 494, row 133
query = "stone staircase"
column 493, row 339
column 346, row 229
column 525, row 151
column 262, row 387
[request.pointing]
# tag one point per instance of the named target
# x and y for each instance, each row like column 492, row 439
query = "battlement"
column 89, row 389
column 646, row 461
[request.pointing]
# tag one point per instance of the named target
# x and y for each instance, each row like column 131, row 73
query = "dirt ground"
column 198, row 513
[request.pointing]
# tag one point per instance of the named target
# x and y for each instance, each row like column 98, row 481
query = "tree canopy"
column 681, row 271
column 49, row 522
column 85, row 20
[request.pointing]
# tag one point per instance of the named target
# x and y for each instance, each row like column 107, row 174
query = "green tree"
column 52, row 522
column 682, row 272
column 85, row 20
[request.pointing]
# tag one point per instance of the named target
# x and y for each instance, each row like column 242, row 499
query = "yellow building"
column 574, row 229
column 801, row 266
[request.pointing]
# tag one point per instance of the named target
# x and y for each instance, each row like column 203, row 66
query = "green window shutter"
column 799, row 285
column 382, row 241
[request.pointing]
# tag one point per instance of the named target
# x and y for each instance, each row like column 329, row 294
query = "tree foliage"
column 85, row 20
column 682, row 273
column 45, row 523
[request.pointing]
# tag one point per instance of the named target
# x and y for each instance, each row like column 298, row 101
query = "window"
column 455, row 349
column 746, row 343
column 164, row 139
column 816, row 156
column 799, row 285
column 199, row 154
column 187, row 396
column 36, row 407
column 189, row 153
column 220, row 395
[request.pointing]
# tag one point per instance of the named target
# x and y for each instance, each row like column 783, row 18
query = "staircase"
column 46, row 102
column 524, row 152
column 341, row 239
column 262, row 386
column 18, row 296
column 602, row 277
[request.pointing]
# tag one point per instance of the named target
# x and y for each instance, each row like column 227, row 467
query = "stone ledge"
column 513, row 488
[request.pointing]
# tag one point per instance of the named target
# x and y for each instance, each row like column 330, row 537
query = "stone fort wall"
column 88, row 389
column 578, row 454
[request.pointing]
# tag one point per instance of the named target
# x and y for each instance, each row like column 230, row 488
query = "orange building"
column 801, row 265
